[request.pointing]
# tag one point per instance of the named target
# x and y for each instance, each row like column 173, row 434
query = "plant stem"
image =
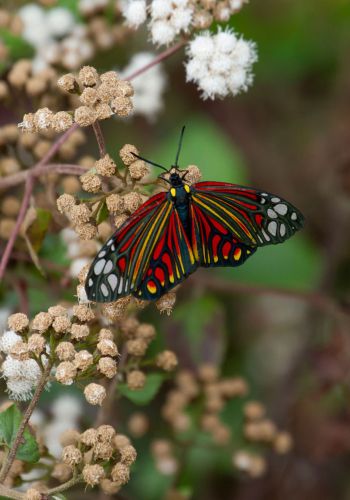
column 9, row 493
column 28, row 413
column 99, row 138
column 65, row 486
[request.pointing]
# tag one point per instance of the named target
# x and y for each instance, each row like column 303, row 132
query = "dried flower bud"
column 27, row 125
column 65, row 351
column 56, row 311
column 120, row 473
column 71, row 455
column 66, row 373
column 121, row 106
column 107, row 366
column 20, row 351
column 161, row 448
column 80, row 213
column 110, row 487
column 89, row 97
column 65, row 203
column 254, row 410
column 79, row 332
column 10, row 206
column 208, row 372
column 69, row 437
column 105, row 334
column 202, row 19
column 125, row 88
column 86, row 231
column 105, row 433
column 105, row 166
column 88, row 76
column 166, row 303
column 115, row 203
column 107, row 348
column 83, row 359
column 95, row 394
column 61, row 472
column 103, row 111
column 283, row 442
column 193, row 174
column 232, row 387
column 110, row 78
column 68, row 83
column 62, row 121
column 83, row 313
column 145, row 331
column 128, row 455
column 89, row 437
column 103, row 451
column 32, row 494
column 42, row 322
column 138, row 424
column 85, row 116
column 119, row 220
column 138, row 169
column 167, row 360
column 18, row 322
column 36, row 343
column 93, row 474
column 132, row 201
column 126, row 154
column 61, row 324
column 116, row 310
column 136, row 347
column 120, row 440
column 136, row 380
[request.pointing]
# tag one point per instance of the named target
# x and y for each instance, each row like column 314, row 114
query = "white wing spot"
column 271, row 213
column 281, row 209
column 264, row 194
column 90, row 282
column 108, row 267
column 99, row 266
column 113, row 248
column 272, row 228
column 262, row 201
column 275, row 200
column 294, row 216
column 121, row 285
column 266, row 236
column 109, row 242
column 282, row 230
column 104, row 290
column 113, row 281
column 102, row 254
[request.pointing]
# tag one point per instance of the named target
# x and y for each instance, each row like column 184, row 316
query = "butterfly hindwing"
column 121, row 263
column 253, row 217
column 171, row 262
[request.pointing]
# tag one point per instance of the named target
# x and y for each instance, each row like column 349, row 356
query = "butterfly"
column 206, row 224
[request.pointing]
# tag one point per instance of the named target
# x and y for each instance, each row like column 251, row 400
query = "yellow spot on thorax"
column 187, row 188
column 173, row 192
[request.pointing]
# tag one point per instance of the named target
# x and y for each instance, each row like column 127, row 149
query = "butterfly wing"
column 121, row 263
column 252, row 217
column 172, row 260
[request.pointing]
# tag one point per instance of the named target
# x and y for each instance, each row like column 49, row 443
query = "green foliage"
column 147, row 393
column 17, row 47
column 102, row 213
column 10, row 421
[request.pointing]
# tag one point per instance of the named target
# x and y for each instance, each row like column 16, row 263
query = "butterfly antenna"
column 179, row 147
column 149, row 161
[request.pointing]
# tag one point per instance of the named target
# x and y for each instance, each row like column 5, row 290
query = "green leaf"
column 102, row 213
column 145, row 395
column 37, row 230
column 10, row 421
column 18, row 47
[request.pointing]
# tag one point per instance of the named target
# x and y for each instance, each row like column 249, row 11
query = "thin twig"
column 9, row 493
column 28, row 413
column 99, row 138
column 163, row 55
column 64, row 486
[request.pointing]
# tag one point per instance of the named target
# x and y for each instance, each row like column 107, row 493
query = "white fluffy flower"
column 220, row 64
column 8, row 340
column 162, row 33
column 168, row 19
column 135, row 13
column 21, row 377
column 67, row 408
column 77, row 265
column 148, row 87
column 60, row 21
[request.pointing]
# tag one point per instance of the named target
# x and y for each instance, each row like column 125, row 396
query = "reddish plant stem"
column 99, row 138
column 163, row 55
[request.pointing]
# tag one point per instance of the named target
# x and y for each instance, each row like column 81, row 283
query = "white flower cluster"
column 168, row 18
column 220, row 64
column 148, row 87
column 21, row 376
column 89, row 7
column 56, row 37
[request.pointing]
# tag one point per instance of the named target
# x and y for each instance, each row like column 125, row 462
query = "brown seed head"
column 136, row 380
column 65, row 351
column 42, row 322
column 71, row 455
column 126, row 154
column 107, row 366
column 166, row 303
column 93, row 474
column 66, row 373
column 85, row 116
column 36, row 343
column 61, row 324
column 83, row 359
column 68, row 83
column 120, row 473
column 79, row 332
column 65, row 203
column 115, row 203
column 105, row 166
column 88, row 76
column 95, row 394
column 18, row 322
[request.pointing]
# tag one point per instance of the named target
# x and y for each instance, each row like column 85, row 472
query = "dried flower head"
column 95, row 394
column 18, row 322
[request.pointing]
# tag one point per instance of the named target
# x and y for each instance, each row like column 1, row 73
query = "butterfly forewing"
column 119, row 266
column 253, row 217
